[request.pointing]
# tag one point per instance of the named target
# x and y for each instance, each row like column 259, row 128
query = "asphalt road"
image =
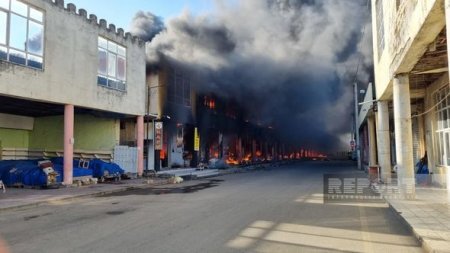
column 276, row 210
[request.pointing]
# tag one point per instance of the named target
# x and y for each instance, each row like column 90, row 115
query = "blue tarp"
column 102, row 168
column 27, row 172
column 77, row 172
column 97, row 167
column 22, row 172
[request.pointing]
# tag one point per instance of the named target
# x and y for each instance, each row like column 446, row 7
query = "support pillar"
column 372, row 142
column 68, row 143
column 140, row 144
column 384, row 140
column 403, row 136
column 253, row 150
column 239, row 149
column 447, row 22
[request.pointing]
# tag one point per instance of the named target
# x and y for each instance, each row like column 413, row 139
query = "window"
column 443, row 126
column 21, row 34
column 112, row 65
column 380, row 27
column 179, row 88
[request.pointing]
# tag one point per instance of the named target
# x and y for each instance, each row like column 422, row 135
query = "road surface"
column 275, row 210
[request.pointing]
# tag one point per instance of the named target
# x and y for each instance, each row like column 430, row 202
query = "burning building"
column 172, row 102
column 223, row 130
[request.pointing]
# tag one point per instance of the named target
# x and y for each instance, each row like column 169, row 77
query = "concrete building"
column 412, row 86
column 67, row 81
column 172, row 102
column 224, row 131
column 366, row 123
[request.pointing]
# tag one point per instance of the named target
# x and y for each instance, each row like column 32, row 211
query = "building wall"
column 128, row 133
column 71, row 65
column 408, row 30
column 15, row 130
column 91, row 133
column 430, row 131
column 14, row 138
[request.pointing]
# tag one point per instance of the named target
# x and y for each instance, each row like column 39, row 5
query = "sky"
column 121, row 12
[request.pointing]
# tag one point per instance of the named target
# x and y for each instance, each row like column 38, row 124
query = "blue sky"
column 120, row 12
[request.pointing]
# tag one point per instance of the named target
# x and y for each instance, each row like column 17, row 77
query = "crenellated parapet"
column 101, row 23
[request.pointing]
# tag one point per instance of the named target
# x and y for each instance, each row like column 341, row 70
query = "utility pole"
column 357, row 144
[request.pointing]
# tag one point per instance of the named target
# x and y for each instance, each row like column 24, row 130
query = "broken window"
column 21, row 34
column 179, row 88
column 111, row 64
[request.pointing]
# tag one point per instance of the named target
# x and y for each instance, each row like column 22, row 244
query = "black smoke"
column 289, row 62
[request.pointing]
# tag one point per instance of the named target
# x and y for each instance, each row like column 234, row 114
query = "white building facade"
column 412, row 87
column 66, row 80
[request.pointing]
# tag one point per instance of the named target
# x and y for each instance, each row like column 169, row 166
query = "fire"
column 247, row 158
column 210, row 103
column 162, row 154
column 232, row 161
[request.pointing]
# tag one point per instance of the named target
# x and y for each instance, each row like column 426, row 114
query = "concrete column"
column 266, row 150
column 253, row 150
column 447, row 22
column 239, row 149
column 372, row 142
column 403, row 135
column 384, row 140
column 68, row 143
column 140, row 144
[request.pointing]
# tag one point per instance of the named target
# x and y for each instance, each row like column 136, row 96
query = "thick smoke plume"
column 290, row 62
column 146, row 25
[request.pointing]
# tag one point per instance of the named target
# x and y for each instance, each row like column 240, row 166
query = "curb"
column 423, row 243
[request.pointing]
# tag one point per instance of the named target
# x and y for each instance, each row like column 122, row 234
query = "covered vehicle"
column 34, row 173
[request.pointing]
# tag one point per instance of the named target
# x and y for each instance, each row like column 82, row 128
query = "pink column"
column 140, row 144
column 68, row 144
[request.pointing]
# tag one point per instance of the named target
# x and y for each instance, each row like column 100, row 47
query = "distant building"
column 224, row 132
column 412, row 86
column 67, row 81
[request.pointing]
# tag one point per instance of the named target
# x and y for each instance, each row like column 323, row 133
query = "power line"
column 431, row 108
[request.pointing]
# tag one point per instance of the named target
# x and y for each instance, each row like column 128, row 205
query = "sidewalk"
column 19, row 197
column 428, row 216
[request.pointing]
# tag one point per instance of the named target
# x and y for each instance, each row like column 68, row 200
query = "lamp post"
column 357, row 144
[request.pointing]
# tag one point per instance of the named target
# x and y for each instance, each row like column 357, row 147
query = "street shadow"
column 166, row 190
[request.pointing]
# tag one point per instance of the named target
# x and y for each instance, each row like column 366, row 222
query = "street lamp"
column 357, row 146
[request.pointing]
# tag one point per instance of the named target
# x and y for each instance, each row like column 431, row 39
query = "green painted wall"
column 91, row 133
column 47, row 133
column 14, row 138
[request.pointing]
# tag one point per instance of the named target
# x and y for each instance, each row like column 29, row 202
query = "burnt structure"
column 224, row 128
